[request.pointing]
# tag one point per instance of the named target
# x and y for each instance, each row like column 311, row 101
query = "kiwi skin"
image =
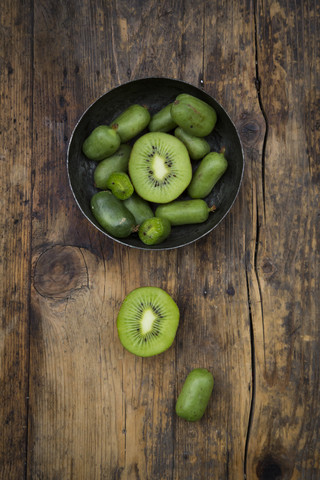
column 197, row 147
column 162, row 120
column 208, row 173
column 184, row 212
column 193, row 115
column 118, row 162
column 139, row 208
column 112, row 215
column 101, row 143
column 131, row 122
column 147, row 321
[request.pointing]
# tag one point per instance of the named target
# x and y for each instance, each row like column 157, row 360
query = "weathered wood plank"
column 95, row 410
column 220, row 307
column 284, row 438
column 15, row 171
column 92, row 404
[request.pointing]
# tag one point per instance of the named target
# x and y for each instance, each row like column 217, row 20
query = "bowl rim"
column 122, row 241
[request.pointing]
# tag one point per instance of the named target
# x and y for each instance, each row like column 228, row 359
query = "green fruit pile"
column 141, row 183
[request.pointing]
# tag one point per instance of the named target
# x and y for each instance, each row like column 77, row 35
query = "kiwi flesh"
column 120, row 185
column 159, row 167
column 147, row 321
column 154, row 230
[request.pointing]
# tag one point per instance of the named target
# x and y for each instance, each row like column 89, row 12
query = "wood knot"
column 59, row 271
column 267, row 267
column 269, row 469
column 230, row 290
column 250, row 130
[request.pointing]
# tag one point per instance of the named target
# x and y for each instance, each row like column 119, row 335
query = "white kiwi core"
column 147, row 321
column 160, row 170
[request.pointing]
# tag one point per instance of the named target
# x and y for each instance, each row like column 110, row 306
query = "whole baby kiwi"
column 101, row 143
column 208, row 173
column 195, row 394
column 193, row 115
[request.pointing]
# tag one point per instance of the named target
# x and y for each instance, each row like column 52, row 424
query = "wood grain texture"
column 285, row 424
column 247, row 292
column 15, row 191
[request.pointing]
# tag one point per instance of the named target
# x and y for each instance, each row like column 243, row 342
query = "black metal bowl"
column 156, row 93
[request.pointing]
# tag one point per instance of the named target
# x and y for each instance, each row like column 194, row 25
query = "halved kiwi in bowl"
column 155, row 94
column 159, row 167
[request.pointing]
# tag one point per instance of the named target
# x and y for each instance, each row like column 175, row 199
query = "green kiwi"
column 154, row 230
column 162, row 120
column 118, row 162
column 185, row 212
column 112, row 215
column 147, row 321
column 120, row 185
column 139, row 208
column 159, row 167
column 195, row 395
column 193, row 115
column 209, row 171
column 131, row 122
column 197, row 147
column 101, row 143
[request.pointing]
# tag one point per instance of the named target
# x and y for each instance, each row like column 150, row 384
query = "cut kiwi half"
column 147, row 321
column 159, row 167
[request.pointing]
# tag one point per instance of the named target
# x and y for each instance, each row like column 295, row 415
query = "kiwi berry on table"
column 195, row 394
column 147, row 321
column 148, row 177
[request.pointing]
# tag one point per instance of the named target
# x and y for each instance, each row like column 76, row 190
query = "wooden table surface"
column 73, row 403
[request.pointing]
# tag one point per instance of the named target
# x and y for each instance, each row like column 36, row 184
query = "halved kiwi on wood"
column 147, row 321
column 159, row 167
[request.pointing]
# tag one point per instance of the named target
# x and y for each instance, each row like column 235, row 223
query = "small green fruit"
column 131, row 122
column 154, row 230
column 210, row 170
column 101, row 143
column 118, row 162
column 193, row 115
column 112, row 215
column 197, row 147
column 120, row 185
column 195, row 394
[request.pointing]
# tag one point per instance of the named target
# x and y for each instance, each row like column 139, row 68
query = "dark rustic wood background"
column 73, row 403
